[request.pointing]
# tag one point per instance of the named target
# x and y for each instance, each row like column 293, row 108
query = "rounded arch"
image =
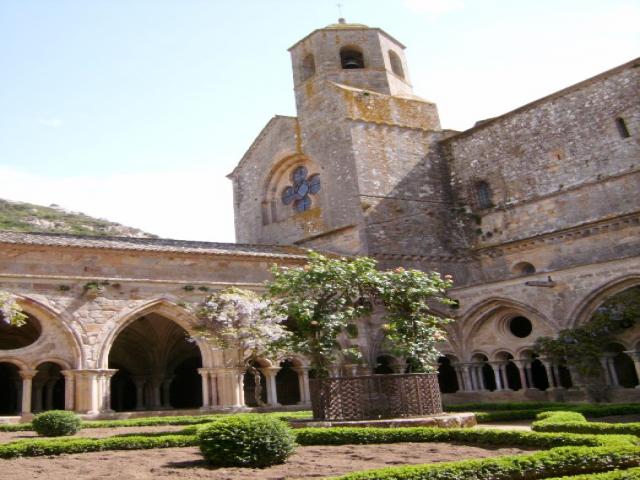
column 295, row 359
column 588, row 305
column 396, row 64
column 161, row 306
column 50, row 318
column 281, row 188
column 64, row 365
column 501, row 355
column 15, row 361
column 351, row 57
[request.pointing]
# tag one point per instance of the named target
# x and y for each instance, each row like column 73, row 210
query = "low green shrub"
column 556, row 462
column 58, row 446
column 631, row 474
column 574, row 422
column 56, row 423
column 491, row 412
column 246, row 441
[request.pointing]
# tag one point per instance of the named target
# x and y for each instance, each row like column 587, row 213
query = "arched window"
column 396, row 64
column 308, row 67
column 524, row 268
column 351, row 57
column 483, row 194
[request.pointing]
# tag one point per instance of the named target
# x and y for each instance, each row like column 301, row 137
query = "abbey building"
column 535, row 213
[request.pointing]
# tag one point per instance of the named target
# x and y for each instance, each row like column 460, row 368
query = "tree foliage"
column 324, row 299
column 583, row 346
column 239, row 321
column 10, row 310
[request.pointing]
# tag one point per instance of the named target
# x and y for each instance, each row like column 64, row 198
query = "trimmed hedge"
column 631, row 474
column 575, row 422
column 154, row 421
column 35, row 448
column 519, row 411
column 558, row 462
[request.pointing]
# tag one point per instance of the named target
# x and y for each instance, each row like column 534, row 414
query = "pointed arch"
column 56, row 320
column 161, row 306
column 588, row 305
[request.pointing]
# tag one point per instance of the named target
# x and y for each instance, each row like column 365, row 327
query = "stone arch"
column 501, row 311
column 15, row 361
column 279, row 179
column 161, row 306
column 155, row 364
column 51, row 320
column 352, row 57
column 588, row 305
column 48, row 385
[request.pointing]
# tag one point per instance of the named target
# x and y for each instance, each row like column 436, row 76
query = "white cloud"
column 433, row 7
column 189, row 205
column 51, row 122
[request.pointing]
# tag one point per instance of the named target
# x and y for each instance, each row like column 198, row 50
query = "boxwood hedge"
column 575, row 422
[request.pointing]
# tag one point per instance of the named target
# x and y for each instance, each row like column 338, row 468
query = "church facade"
column 535, row 213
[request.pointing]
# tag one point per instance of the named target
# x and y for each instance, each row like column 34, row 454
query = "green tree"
column 236, row 320
column 583, row 346
column 328, row 295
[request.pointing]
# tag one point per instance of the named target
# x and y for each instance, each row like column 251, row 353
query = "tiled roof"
column 150, row 245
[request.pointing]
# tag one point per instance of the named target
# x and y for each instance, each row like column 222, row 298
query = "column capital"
column 27, row 374
column 270, row 371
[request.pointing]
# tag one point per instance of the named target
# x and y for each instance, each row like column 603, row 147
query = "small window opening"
column 622, row 128
column 524, row 268
column 308, row 67
column 396, row 64
column 483, row 195
column 520, row 327
column 351, row 58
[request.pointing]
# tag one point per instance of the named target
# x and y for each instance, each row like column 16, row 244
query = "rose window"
column 303, row 186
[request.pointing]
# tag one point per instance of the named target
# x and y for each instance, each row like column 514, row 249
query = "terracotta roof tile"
column 150, row 245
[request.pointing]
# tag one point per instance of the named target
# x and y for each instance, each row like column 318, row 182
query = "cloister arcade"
column 490, row 368
column 148, row 361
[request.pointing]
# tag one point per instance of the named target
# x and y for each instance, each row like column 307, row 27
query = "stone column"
column 87, row 391
column 549, row 371
column 69, row 390
column 635, row 356
column 467, row 378
column 556, row 374
column 140, row 383
column 480, row 372
column 213, row 387
column 610, row 370
column 166, row 391
column 48, row 393
column 155, row 383
column 37, row 396
column 523, row 374
column 458, row 369
column 303, row 385
column 270, row 377
column 206, row 395
column 27, row 377
column 575, row 377
column 496, row 373
column 503, row 375
column 104, row 381
column 529, row 374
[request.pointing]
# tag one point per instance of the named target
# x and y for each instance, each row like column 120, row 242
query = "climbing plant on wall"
column 236, row 320
column 323, row 300
column 10, row 310
column 583, row 346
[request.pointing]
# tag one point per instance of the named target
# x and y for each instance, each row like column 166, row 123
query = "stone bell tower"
column 358, row 145
column 350, row 54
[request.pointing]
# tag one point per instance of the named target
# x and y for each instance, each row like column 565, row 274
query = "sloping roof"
column 150, row 245
column 271, row 124
column 635, row 63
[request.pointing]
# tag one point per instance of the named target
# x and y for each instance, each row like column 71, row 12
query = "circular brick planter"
column 375, row 396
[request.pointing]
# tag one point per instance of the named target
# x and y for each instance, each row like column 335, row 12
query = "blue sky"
column 134, row 110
